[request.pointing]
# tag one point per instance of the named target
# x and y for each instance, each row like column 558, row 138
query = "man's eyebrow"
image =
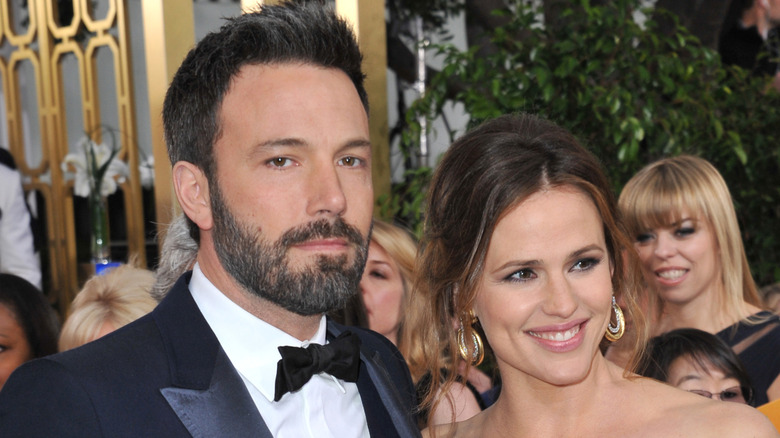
column 286, row 141
column 357, row 143
column 292, row 141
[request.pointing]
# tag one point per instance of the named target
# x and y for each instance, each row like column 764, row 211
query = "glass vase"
column 100, row 241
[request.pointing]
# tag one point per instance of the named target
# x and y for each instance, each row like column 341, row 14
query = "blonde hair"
column 661, row 192
column 402, row 249
column 118, row 297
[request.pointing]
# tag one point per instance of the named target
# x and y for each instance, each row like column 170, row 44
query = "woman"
column 521, row 238
column 106, row 303
column 28, row 324
column 386, row 278
column 698, row 362
column 682, row 218
column 383, row 301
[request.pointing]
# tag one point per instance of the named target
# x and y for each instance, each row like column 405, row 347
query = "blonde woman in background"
column 681, row 216
column 387, row 279
column 106, row 303
column 384, row 300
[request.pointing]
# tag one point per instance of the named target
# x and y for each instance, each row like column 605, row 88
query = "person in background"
column 28, row 325
column 385, row 298
column 17, row 248
column 106, row 303
column 771, row 296
column 682, row 218
column 178, row 255
column 266, row 123
column 387, row 279
column 751, row 37
column 522, row 238
column 698, row 362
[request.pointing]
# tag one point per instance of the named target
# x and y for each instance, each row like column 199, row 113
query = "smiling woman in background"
column 521, row 237
column 680, row 213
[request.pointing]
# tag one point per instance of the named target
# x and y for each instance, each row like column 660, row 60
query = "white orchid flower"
column 78, row 162
column 146, row 169
column 86, row 177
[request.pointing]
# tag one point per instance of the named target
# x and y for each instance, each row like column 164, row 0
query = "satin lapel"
column 207, row 392
column 224, row 409
column 377, row 382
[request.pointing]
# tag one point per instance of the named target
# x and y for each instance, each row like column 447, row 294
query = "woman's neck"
column 547, row 409
column 705, row 312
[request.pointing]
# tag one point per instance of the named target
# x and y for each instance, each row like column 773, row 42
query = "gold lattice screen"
column 47, row 62
column 44, row 58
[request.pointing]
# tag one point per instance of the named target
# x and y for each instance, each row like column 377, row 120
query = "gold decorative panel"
column 48, row 61
column 45, row 44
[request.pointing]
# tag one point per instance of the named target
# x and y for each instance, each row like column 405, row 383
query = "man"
column 266, row 124
column 750, row 37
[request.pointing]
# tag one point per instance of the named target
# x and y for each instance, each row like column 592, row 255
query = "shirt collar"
column 250, row 343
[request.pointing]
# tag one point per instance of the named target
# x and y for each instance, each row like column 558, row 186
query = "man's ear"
column 192, row 190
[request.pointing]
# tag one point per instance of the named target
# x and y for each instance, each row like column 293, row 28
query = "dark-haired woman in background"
column 28, row 325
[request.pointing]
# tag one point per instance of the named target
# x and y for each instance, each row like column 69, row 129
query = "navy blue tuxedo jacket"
column 166, row 375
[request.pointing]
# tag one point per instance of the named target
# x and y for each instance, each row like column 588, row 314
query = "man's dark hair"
column 304, row 32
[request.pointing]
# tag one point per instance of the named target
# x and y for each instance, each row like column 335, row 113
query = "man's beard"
column 263, row 268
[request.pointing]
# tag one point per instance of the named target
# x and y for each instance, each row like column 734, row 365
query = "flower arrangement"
column 98, row 173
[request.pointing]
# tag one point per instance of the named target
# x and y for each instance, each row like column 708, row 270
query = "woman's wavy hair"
column 483, row 175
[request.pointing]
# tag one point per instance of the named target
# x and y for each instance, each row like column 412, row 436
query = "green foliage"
column 632, row 95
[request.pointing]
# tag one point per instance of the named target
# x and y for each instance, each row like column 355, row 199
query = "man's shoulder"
column 112, row 353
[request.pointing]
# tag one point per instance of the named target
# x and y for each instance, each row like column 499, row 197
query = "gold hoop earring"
column 478, row 349
column 615, row 332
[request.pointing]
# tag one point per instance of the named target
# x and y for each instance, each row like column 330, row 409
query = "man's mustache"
column 322, row 229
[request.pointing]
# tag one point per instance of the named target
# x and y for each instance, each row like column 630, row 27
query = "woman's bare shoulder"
column 681, row 413
column 469, row 428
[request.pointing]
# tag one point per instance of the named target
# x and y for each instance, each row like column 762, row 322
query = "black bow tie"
column 339, row 358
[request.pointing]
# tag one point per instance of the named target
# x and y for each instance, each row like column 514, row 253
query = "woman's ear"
column 192, row 190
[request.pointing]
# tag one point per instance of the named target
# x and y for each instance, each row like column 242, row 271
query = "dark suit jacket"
column 166, row 375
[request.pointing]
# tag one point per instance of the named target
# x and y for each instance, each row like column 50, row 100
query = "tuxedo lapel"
column 224, row 409
column 206, row 392
column 386, row 413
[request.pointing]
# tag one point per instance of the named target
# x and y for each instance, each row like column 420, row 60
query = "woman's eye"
column 644, row 237
column 351, row 161
column 685, row 231
column 377, row 274
column 521, row 275
column 586, row 264
column 280, row 162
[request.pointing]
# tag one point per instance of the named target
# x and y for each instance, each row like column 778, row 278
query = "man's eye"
column 351, row 161
column 280, row 162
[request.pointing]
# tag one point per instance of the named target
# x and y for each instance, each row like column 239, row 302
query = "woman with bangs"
column 523, row 246
column 681, row 215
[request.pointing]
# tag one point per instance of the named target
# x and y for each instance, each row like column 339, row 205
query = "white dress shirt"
column 323, row 407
